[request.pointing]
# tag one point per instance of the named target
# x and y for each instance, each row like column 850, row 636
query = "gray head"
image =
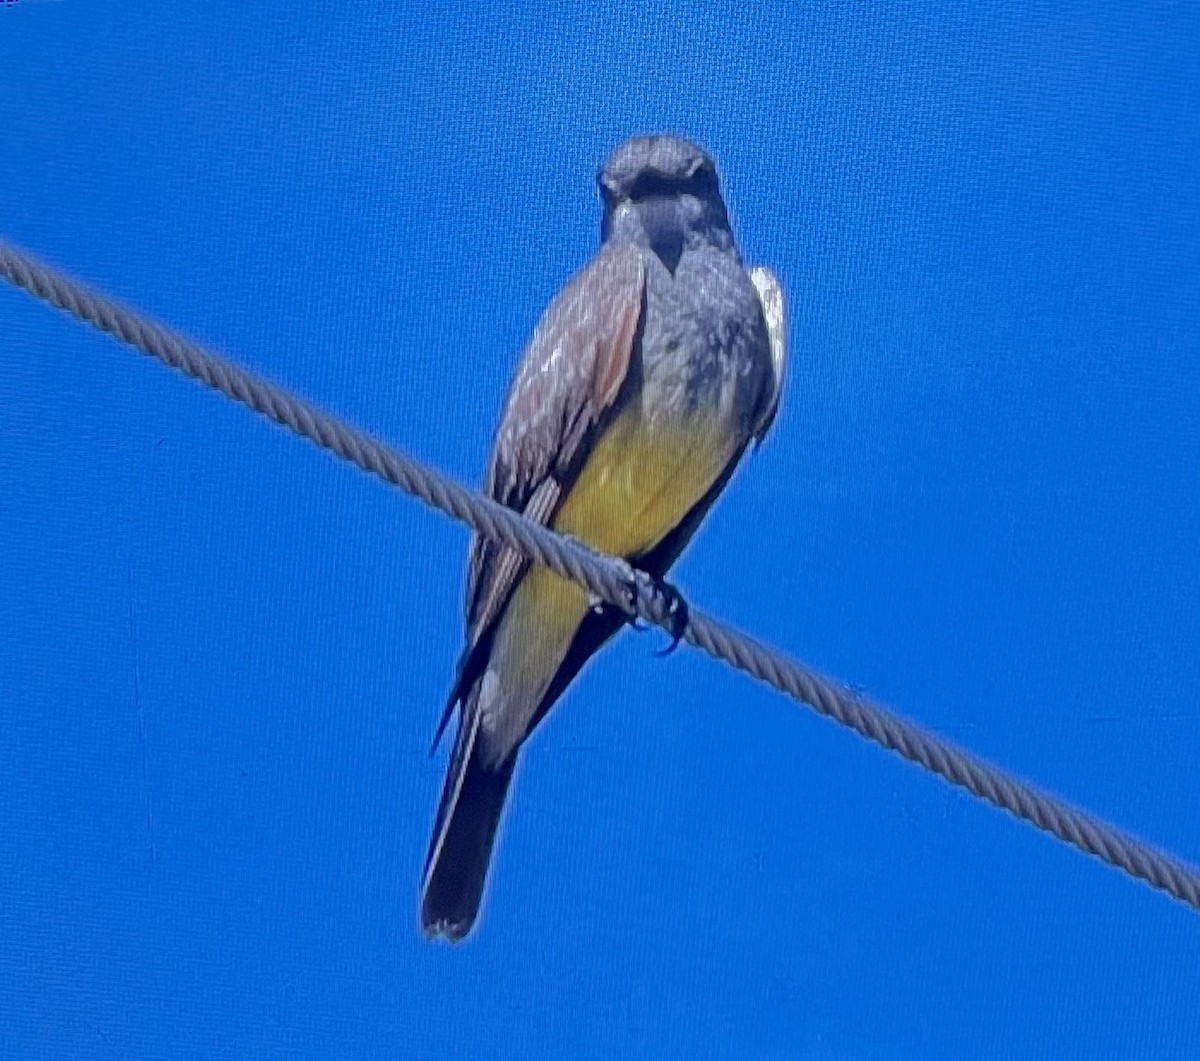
column 662, row 192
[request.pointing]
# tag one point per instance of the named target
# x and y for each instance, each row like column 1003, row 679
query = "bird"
column 647, row 377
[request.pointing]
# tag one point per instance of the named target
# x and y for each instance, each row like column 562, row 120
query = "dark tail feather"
column 457, row 863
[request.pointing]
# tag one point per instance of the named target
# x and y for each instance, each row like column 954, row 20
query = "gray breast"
column 705, row 342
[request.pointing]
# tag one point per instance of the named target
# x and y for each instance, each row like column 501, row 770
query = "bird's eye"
column 705, row 177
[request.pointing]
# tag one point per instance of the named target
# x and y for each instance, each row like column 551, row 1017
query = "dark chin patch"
column 663, row 227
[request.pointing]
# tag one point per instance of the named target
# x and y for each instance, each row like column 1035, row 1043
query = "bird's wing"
column 569, row 377
column 770, row 296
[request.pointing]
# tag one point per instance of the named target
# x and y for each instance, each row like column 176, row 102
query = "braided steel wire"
column 612, row 581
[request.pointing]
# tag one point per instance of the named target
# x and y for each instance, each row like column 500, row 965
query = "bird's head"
column 662, row 192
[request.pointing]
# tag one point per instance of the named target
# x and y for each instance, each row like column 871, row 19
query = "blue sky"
column 224, row 653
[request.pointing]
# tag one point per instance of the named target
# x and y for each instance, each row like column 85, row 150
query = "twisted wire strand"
column 613, row 581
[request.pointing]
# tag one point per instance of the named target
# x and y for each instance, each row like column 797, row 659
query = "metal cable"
column 612, row 581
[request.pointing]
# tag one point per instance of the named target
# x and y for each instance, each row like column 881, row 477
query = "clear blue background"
column 222, row 653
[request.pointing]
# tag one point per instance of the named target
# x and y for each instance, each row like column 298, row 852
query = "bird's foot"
column 631, row 578
column 677, row 613
column 662, row 598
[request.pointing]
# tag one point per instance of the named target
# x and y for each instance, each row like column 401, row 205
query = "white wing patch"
column 770, row 295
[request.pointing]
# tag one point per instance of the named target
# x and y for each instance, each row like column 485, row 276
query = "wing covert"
column 571, row 372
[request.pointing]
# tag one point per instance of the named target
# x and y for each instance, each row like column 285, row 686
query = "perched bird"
column 647, row 377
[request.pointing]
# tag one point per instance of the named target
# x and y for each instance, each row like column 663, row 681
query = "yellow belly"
column 639, row 481
column 636, row 487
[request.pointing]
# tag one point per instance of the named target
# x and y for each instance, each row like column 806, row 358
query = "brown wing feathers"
column 571, row 374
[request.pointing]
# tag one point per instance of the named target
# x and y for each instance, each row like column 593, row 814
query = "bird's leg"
column 598, row 604
column 633, row 585
column 645, row 587
column 677, row 612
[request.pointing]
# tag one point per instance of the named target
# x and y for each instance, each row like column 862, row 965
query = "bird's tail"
column 464, row 832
